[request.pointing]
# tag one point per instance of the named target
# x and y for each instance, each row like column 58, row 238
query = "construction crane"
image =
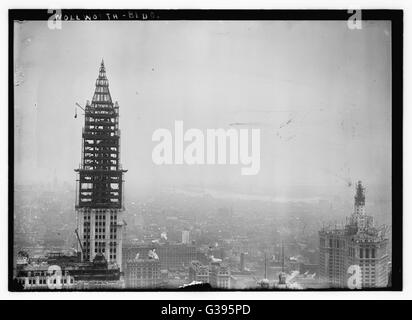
column 75, row 110
column 264, row 283
column 78, row 239
column 282, row 275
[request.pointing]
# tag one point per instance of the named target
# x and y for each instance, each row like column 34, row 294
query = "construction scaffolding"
column 99, row 188
column 100, row 182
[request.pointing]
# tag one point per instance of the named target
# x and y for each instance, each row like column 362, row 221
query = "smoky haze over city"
column 318, row 91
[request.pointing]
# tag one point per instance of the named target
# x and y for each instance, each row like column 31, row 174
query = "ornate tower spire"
column 359, row 217
column 360, row 194
column 360, row 199
column 102, row 93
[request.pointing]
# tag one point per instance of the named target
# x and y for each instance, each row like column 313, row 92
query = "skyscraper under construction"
column 99, row 188
column 358, row 244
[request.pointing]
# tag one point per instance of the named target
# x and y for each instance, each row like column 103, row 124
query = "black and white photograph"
column 205, row 150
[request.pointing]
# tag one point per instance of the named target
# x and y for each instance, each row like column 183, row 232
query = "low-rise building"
column 199, row 272
column 219, row 275
column 143, row 271
column 172, row 256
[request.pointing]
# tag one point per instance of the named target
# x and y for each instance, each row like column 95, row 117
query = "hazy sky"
column 333, row 82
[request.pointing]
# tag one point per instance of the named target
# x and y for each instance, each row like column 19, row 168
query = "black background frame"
column 396, row 18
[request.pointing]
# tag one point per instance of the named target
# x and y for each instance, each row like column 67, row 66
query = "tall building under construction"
column 358, row 244
column 99, row 187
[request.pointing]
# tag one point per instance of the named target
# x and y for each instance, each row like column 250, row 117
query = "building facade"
column 198, row 272
column 99, row 194
column 358, row 244
column 42, row 277
column 172, row 256
column 219, row 275
column 65, row 273
column 185, row 236
column 143, row 272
